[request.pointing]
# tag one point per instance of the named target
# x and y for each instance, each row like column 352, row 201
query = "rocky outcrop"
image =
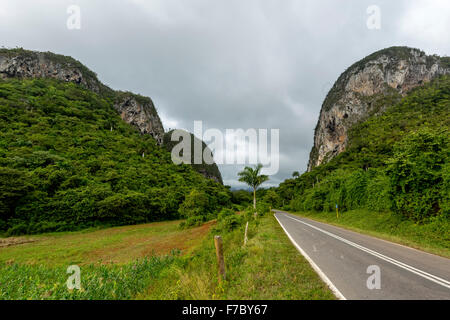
column 140, row 112
column 19, row 63
column 368, row 87
column 134, row 109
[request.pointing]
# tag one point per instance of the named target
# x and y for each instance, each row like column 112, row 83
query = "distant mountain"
column 75, row 153
column 134, row 109
column 382, row 143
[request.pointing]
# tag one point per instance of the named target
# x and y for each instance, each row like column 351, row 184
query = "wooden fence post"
column 245, row 235
column 220, row 260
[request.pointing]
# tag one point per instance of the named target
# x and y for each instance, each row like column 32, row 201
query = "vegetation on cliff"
column 68, row 161
column 397, row 161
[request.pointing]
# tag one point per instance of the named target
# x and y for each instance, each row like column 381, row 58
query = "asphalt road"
column 357, row 266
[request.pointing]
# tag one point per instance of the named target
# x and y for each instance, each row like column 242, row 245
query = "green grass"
column 143, row 262
column 119, row 245
column 23, row 281
column 269, row 267
column 433, row 237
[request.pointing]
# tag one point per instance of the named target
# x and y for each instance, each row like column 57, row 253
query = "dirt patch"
column 8, row 242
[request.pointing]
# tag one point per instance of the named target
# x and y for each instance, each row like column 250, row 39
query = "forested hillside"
column 397, row 161
column 68, row 161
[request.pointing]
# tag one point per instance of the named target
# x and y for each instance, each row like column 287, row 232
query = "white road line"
column 322, row 275
column 402, row 265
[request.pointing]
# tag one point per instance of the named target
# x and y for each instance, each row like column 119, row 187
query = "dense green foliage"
column 395, row 161
column 68, row 161
column 417, row 172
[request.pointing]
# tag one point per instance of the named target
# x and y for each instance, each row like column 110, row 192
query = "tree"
column 252, row 177
column 295, row 174
column 195, row 204
column 273, row 198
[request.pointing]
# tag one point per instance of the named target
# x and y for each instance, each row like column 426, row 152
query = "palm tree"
column 252, row 177
column 295, row 174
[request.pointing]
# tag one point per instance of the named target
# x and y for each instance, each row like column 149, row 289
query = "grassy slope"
column 432, row 237
column 269, row 267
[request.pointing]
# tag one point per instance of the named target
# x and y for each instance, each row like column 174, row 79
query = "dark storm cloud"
column 232, row 64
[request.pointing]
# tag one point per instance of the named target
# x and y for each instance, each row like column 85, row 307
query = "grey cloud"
column 231, row 64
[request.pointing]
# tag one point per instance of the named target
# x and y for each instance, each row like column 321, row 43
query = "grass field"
column 433, row 237
column 112, row 245
column 159, row 261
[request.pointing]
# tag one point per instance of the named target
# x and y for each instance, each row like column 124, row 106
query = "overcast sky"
column 230, row 63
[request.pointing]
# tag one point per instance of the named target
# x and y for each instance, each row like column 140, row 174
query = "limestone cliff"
column 137, row 110
column 140, row 112
column 368, row 87
column 134, row 109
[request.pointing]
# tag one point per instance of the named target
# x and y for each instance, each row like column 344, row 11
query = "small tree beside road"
column 253, row 178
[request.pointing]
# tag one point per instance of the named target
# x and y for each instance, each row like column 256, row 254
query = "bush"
column 416, row 172
column 193, row 222
column 378, row 188
column 272, row 198
column 195, row 204
column 445, row 191
column 225, row 213
column 262, row 208
column 229, row 223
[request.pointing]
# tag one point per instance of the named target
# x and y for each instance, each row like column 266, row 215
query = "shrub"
column 273, row 199
column 416, row 174
column 262, row 208
column 225, row 213
column 229, row 223
column 193, row 222
column 195, row 204
column 378, row 187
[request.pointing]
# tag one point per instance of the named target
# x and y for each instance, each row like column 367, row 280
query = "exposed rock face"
column 134, row 109
column 140, row 112
column 19, row 63
column 366, row 89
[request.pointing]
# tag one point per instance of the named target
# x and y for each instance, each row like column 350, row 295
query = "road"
column 357, row 266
